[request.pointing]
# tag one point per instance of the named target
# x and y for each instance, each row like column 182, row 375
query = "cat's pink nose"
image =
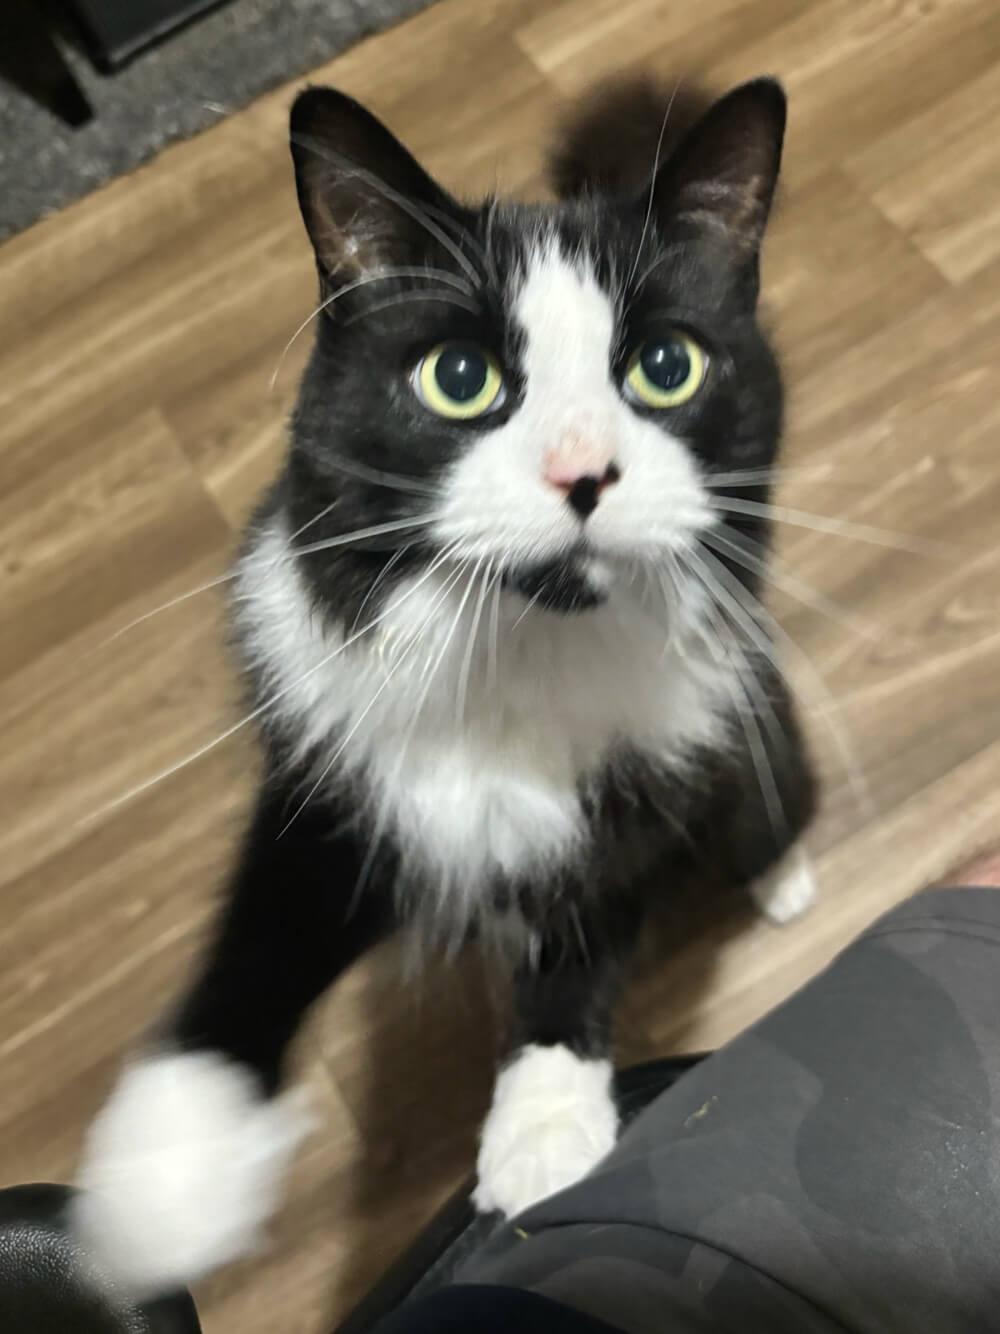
column 582, row 471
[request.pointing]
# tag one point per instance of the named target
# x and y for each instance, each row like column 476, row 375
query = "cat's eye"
column 459, row 380
column 666, row 372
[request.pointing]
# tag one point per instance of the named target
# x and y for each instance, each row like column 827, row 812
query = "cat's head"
column 559, row 394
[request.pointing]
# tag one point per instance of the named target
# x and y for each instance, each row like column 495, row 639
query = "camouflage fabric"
column 836, row 1168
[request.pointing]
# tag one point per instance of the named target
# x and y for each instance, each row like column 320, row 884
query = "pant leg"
column 835, row 1168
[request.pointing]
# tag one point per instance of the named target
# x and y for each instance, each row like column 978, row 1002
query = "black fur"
column 295, row 919
column 609, row 146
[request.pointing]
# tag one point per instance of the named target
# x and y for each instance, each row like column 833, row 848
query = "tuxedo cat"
column 499, row 620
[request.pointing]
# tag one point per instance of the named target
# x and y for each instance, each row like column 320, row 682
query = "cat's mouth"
column 572, row 582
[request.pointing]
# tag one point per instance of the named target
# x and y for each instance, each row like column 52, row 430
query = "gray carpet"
column 198, row 77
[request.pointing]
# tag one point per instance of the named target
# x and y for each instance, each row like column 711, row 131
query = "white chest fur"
column 468, row 724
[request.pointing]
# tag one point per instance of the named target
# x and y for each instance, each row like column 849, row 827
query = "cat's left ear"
column 362, row 194
column 723, row 174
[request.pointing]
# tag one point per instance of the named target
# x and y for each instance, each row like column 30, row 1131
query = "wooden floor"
column 140, row 330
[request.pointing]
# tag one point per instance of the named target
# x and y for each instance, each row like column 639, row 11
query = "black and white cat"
column 498, row 616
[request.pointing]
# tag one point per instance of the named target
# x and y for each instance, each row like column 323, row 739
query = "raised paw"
column 182, row 1169
column 788, row 891
column 553, row 1119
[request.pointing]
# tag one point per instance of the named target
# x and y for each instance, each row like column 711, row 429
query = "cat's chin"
column 568, row 584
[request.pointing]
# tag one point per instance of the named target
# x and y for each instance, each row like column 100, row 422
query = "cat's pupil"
column 667, row 365
column 461, row 372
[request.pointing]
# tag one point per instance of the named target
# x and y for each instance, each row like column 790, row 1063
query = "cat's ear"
column 723, row 173
column 366, row 202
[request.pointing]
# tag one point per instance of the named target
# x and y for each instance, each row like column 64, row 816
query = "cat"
column 498, row 618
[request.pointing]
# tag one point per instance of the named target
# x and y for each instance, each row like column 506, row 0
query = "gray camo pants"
column 836, row 1168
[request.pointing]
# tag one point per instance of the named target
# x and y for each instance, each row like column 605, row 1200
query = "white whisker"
column 667, row 582
column 845, row 748
column 362, row 534
column 346, row 740
column 745, row 705
column 385, row 570
column 668, row 252
column 380, row 275
column 166, row 606
column 764, row 476
column 493, row 657
column 382, row 812
column 394, row 481
column 795, row 587
column 435, row 666
column 459, row 232
column 206, row 587
column 755, row 741
column 315, row 519
column 466, row 668
column 652, row 187
column 405, row 298
column 259, row 711
column 822, row 523
column 733, row 606
column 532, row 601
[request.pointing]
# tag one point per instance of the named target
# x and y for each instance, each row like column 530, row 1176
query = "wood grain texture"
column 138, row 423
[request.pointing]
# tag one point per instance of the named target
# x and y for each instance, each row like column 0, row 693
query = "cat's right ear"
column 724, row 172
column 366, row 202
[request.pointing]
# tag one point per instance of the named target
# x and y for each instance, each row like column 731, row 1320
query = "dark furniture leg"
column 31, row 61
column 48, row 1286
column 118, row 30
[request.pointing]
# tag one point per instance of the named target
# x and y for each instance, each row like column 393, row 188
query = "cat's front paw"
column 788, row 891
column 181, row 1170
column 553, row 1119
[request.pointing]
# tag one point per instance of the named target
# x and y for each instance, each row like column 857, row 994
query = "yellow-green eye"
column 666, row 372
column 459, row 380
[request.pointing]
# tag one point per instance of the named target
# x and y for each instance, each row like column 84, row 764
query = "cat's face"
column 557, row 396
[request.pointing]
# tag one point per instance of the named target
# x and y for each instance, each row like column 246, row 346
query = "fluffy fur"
column 786, row 891
column 468, row 725
column 510, row 672
column 607, row 146
column 182, row 1169
column 553, row 1119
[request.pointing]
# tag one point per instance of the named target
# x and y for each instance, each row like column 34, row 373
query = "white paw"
column 553, row 1119
column 182, row 1168
column 788, row 891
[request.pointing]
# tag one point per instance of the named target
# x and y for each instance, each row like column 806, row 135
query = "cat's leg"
column 553, row 1115
column 185, row 1162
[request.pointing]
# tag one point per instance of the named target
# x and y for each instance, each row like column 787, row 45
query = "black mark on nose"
column 585, row 492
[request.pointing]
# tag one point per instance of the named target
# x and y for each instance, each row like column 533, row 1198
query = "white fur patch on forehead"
column 568, row 320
